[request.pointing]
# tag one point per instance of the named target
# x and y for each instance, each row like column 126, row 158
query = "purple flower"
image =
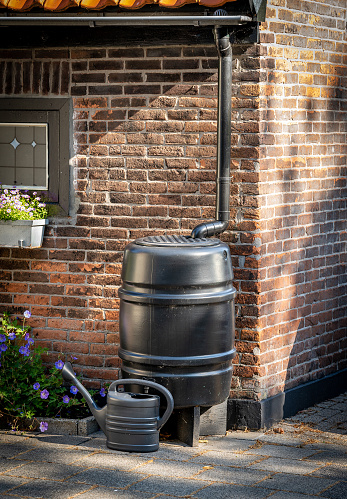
column 73, row 358
column 30, row 341
column 73, row 390
column 2, row 338
column 43, row 426
column 24, row 351
column 26, row 337
column 36, row 386
column 27, row 314
column 12, row 336
column 3, row 347
column 59, row 364
column 102, row 392
column 44, row 394
column 66, row 399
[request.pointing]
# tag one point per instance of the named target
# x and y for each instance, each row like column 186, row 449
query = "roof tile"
column 61, row 5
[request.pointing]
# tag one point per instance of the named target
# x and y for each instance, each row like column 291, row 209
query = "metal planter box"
column 22, row 233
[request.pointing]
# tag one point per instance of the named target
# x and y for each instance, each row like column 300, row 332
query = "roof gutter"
column 103, row 20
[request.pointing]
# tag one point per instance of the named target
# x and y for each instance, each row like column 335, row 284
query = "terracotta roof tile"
column 61, row 5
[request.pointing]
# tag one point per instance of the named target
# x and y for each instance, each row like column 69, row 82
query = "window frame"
column 55, row 112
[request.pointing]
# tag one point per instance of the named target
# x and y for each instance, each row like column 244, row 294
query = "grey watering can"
column 130, row 421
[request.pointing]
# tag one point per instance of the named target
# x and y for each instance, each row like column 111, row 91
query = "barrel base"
column 191, row 423
column 203, row 390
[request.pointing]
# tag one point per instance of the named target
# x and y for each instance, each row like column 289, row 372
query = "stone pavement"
column 300, row 458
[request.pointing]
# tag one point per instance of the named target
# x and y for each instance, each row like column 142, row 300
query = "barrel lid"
column 175, row 240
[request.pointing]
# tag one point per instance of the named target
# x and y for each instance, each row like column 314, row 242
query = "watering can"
column 130, row 421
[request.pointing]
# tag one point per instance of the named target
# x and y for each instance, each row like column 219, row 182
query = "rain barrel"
column 177, row 317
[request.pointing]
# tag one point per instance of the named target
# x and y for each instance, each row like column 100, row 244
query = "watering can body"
column 130, row 421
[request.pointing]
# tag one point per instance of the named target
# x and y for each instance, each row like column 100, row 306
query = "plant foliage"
column 20, row 205
column 27, row 388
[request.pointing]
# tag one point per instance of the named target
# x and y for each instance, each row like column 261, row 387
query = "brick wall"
column 144, row 162
column 303, row 193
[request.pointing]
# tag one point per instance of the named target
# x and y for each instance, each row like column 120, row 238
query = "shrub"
column 27, row 388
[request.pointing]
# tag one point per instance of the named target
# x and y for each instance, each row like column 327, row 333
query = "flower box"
column 22, row 233
column 56, row 426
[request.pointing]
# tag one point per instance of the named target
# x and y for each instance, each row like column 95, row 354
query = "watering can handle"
column 160, row 388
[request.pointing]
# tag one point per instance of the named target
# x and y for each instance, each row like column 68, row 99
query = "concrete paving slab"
column 107, row 478
column 241, row 476
column 332, row 471
column 51, row 454
column 175, row 451
column 111, row 461
column 228, row 491
column 111, row 493
column 290, row 495
column 8, row 483
column 7, row 464
column 296, row 483
column 220, row 458
column 338, row 491
column 95, row 443
column 286, row 452
column 49, row 489
column 279, row 465
column 329, row 455
column 49, row 471
column 18, row 449
column 170, row 468
column 168, row 485
column 282, row 439
column 226, row 443
column 61, row 439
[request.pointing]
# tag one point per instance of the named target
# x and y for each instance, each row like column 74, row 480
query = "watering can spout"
column 99, row 413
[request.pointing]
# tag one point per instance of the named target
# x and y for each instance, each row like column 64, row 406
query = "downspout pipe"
column 224, row 49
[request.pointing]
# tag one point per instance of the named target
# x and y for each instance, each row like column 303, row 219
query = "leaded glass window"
column 24, row 155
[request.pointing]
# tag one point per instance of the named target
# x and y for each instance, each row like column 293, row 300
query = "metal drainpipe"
column 224, row 49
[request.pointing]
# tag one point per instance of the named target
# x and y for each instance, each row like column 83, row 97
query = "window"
column 35, row 146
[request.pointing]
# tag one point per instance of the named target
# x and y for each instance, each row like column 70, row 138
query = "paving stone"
column 332, row 471
column 338, row 491
column 62, row 439
column 107, row 478
column 290, row 495
column 7, row 483
column 277, row 464
column 12, row 438
column 52, row 454
column 233, row 475
column 284, row 451
column 95, row 443
column 244, row 435
column 107, row 493
column 330, row 455
column 228, row 491
column 7, row 464
column 296, row 483
column 110, row 461
column 17, row 449
column 170, row 468
column 281, row 439
column 175, row 452
column 224, row 458
column 227, row 443
column 168, row 485
column 49, row 489
column 51, row 471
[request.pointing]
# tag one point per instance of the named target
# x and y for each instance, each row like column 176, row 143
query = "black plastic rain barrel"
column 177, row 317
